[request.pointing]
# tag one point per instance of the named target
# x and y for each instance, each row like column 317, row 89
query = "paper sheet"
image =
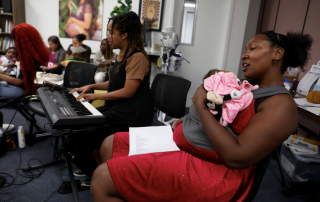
column 144, row 140
column 79, row 49
column 307, row 81
column 304, row 103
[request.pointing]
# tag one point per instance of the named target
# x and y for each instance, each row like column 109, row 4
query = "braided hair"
column 296, row 48
column 129, row 23
column 31, row 50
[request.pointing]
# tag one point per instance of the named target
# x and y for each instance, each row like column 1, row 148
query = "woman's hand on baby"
column 199, row 97
column 83, row 89
column 87, row 97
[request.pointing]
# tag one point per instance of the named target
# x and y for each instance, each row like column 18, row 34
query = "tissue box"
column 300, row 168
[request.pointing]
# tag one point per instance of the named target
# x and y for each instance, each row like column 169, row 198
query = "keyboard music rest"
column 64, row 112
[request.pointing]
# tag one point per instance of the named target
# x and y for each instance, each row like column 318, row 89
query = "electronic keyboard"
column 65, row 112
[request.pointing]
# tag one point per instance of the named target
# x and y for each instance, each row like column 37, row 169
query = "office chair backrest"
column 169, row 94
column 260, row 171
column 78, row 74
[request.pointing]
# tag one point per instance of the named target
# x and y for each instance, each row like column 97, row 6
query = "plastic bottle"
column 3, row 83
column 21, row 138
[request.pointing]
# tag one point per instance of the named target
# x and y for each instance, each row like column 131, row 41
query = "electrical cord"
column 28, row 174
column 18, row 109
column 50, row 195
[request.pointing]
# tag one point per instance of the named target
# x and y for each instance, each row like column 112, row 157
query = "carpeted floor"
column 39, row 189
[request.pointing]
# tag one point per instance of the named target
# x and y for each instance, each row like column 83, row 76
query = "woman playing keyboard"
column 129, row 99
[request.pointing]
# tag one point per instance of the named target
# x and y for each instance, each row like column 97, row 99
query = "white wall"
column 209, row 42
column 44, row 16
column 250, row 29
column 221, row 32
column 243, row 26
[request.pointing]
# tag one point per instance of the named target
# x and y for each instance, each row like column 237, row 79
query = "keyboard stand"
column 63, row 150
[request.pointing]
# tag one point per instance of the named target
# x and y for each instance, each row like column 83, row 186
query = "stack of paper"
column 306, row 83
column 304, row 103
column 79, row 49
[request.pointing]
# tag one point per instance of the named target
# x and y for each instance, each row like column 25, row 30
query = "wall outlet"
column 157, row 47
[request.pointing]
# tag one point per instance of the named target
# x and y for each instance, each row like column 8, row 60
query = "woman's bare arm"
column 84, row 24
column 11, row 80
column 10, row 64
column 275, row 120
column 101, row 86
column 130, row 88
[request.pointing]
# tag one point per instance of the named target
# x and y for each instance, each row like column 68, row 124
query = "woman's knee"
column 100, row 179
column 102, row 183
column 106, row 146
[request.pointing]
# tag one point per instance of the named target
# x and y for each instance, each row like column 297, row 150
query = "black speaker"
column 6, row 4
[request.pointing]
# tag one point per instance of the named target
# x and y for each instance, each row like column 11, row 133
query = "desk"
column 309, row 122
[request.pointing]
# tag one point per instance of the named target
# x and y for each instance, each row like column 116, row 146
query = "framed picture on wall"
column 151, row 11
column 76, row 17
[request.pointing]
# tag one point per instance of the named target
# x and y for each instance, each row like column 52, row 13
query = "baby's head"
column 11, row 53
column 213, row 72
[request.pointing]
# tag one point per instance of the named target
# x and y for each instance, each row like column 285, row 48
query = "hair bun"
column 298, row 49
column 80, row 37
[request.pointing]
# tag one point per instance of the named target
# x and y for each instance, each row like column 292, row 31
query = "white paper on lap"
column 153, row 139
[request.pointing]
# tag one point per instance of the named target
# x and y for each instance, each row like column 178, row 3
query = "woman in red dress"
column 198, row 172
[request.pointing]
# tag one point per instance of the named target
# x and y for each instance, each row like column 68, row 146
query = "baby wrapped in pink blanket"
column 226, row 85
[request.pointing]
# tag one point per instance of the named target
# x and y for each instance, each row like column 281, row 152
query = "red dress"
column 192, row 174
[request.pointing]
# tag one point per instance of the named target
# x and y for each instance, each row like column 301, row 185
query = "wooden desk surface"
column 309, row 120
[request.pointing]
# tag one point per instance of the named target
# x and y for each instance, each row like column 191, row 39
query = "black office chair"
column 169, row 94
column 77, row 74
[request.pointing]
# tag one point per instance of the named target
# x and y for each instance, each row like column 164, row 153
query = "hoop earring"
column 274, row 63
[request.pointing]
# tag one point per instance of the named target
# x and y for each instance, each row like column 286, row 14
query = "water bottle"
column 3, row 83
column 21, row 138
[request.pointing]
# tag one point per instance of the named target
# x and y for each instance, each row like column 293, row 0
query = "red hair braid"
column 31, row 51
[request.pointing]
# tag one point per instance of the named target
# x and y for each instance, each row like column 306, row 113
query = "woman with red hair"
column 32, row 53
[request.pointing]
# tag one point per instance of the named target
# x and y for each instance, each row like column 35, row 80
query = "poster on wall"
column 81, row 17
column 151, row 11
